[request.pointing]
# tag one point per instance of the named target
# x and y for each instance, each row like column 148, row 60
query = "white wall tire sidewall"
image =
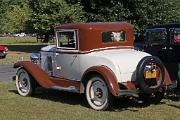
column 88, row 87
column 29, row 91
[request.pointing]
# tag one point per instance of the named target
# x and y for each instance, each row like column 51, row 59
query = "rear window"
column 113, row 36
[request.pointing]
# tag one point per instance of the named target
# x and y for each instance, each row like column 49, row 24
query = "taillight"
column 177, row 39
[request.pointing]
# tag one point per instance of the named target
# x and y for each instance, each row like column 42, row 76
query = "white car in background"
column 20, row 35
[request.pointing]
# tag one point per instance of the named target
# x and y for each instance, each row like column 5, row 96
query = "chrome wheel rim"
column 98, row 93
column 23, row 82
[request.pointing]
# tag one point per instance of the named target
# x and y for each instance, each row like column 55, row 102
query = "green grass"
column 21, row 41
column 48, row 105
column 13, row 57
column 18, row 40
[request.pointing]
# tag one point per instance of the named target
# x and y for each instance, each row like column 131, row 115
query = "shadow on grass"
column 59, row 96
column 119, row 104
column 173, row 97
column 25, row 48
column 129, row 103
column 175, row 106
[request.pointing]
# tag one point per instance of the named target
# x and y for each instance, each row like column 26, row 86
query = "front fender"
column 108, row 76
column 36, row 72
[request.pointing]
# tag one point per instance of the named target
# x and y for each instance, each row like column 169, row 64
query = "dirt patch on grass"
column 15, row 56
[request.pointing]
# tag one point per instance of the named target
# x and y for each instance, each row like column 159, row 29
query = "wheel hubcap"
column 98, row 93
column 23, row 82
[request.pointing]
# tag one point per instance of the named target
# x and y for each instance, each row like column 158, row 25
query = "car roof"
column 95, row 26
column 90, row 34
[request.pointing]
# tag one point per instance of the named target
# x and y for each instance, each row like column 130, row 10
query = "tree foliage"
column 13, row 15
column 48, row 13
column 41, row 15
column 141, row 13
column 15, row 19
column 3, row 7
column 151, row 12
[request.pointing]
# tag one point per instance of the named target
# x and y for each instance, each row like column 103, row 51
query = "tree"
column 15, row 18
column 151, row 12
column 104, row 10
column 48, row 13
column 3, row 7
column 13, row 15
column 141, row 13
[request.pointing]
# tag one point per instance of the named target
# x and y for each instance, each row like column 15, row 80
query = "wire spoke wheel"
column 24, row 83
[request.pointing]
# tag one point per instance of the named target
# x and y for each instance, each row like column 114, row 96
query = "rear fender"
column 108, row 76
column 167, row 79
column 36, row 72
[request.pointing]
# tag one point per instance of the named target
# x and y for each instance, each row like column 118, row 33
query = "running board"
column 69, row 89
column 128, row 92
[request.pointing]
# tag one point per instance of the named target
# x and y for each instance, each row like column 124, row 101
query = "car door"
column 67, row 58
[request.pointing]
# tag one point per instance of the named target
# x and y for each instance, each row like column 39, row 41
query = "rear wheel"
column 97, row 93
column 24, row 83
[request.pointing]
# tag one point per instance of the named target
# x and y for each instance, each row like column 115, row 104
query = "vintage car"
column 3, row 51
column 97, row 59
column 163, row 41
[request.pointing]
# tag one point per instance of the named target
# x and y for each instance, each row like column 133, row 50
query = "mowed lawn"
column 28, row 40
column 13, row 57
column 20, row 48
column 55, row 105
column 18, row 40
column 51, row 105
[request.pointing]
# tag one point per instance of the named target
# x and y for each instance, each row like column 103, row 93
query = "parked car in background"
column 3, row 51
column 2, row 34
column 20, row 35
column 163, row 41
column 97, row 59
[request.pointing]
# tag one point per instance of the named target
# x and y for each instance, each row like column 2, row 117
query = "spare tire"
column 150, row 74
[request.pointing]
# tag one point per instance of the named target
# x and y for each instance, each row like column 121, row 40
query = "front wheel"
column 97, row 93
column 24, row 83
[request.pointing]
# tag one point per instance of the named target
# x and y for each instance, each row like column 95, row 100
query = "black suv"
column 162, row 41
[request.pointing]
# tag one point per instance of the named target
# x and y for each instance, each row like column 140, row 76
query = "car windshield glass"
column 113, row 36
column 156, row 34
column 66, row 39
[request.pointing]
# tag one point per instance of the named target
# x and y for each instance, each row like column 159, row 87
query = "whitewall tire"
column 97, row 93
column 24, row 83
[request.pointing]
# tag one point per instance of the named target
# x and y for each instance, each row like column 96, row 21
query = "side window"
column 66, row 39
column 156, row 35
column 113, row 36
